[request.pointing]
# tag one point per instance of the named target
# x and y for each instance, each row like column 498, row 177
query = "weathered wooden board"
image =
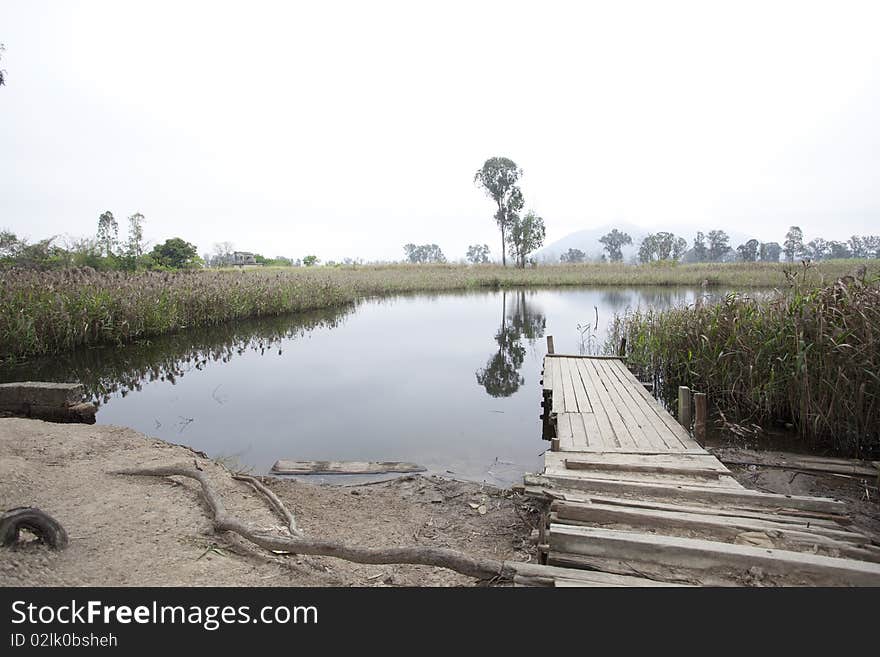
column 810, row 463
column 343, row 467
column 722, row 528
column 793, row 517
column 703, row 494
column 699, row 554
column 709, row 480
column 532, row 574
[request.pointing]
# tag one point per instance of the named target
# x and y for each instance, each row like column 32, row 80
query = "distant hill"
column 587, row 240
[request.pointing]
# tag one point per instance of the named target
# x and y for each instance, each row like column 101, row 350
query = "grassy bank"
column 804, row 356
column 52, row 312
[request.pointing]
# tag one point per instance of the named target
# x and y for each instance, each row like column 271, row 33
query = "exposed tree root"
column 490, row 570
column 276, row 503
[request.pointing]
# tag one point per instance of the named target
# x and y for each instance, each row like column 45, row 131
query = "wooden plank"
column 616, row 407
column 633, row 408
column 14, row 396
column 584, row 403
column 343, row 467
column 570, row 400
column 607, row 436
column 661, row 412
column 793, row 517
column 702, row 494
column 591, row 429
column 539, row 574
column 625, row 468
column 610, row 460
column 698, row 525
column 558, row 393
column 789, row 461
column 716, row 480
column 578, row 431
column 699, row 554
column 617, row 431
column 564, row 431
column 547, row 374
column 670, row 438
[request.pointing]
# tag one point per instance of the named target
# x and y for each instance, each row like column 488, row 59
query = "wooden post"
column 700, row 409
column 622, row 350
column 550, row 344
column 684, row 407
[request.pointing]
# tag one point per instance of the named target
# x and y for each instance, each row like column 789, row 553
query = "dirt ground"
column 148, row 531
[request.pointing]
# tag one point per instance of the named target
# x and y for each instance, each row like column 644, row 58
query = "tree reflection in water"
column 500, row 377
column 109, row 371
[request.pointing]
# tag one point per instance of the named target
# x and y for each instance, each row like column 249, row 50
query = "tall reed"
column 803, row 356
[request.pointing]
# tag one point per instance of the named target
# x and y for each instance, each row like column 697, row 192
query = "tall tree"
column 498, row 177
column 135, row 245
column 864, row 246
column 793, row 246
column 770, row 251
column 838, row 250
column 719, row 245
column 613, row 242
column 526, row 235
column 175, row 253
column 817, row 249
column 748, row 252
column 478, row 254
column 701, row 253
column 108, row 233
column 573, row 256
column 423, row 253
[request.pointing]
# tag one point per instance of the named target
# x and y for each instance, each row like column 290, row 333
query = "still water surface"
column 449, row 381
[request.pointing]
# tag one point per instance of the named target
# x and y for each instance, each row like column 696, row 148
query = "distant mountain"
column 587, row 240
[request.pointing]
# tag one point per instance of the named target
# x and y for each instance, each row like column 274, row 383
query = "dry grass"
column 56, row 311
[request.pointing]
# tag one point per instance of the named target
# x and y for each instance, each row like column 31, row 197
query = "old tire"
column 42, row 525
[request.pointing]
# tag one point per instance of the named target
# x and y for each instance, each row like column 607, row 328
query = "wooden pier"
column 634, row 497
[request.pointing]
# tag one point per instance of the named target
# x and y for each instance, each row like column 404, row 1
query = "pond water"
column 448, row 381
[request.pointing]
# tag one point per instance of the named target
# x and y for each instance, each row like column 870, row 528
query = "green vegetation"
column 805, row 355
column 46, row 312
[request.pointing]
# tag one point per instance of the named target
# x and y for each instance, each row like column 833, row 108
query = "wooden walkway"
column 634, row 498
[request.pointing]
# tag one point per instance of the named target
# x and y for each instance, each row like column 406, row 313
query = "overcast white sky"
column 349, row 129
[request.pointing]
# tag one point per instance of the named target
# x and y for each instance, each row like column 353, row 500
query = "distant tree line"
column 423, row 253
column 714, row 246
column 105, row 251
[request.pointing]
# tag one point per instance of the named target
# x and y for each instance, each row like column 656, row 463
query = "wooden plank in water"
column 698, row 554
column 343, row 467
